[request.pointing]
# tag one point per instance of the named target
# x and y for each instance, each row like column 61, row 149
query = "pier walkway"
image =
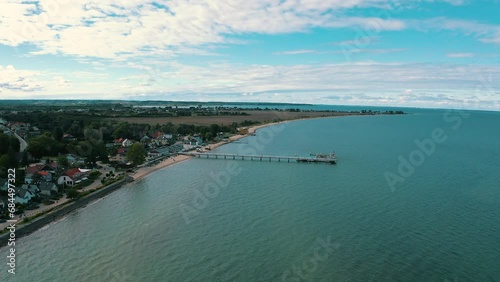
column 329, row 159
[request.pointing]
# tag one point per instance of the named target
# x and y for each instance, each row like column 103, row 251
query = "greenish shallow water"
column 440, row 224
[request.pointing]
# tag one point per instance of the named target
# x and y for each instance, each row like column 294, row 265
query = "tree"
column 36, row 149
column 209, row 136
column 8, row 143
column 94, row 175
column 62, row 161
column 5, row 161
column 215, row 129
column 122, row 131
column 58, row 134
column 137, row 153
column 4, row 165
column 72, row 193
column 42, row 145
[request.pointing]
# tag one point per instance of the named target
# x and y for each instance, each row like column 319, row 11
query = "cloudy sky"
column 422, row 53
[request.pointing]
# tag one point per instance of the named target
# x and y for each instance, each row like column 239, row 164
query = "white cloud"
column 312, row 82
column 460, row 55
column 121, row 29
column 296, row 52
column 487, row 33
column 144, row 39
column 345, row 50
column 222, row 81
column 17, row 81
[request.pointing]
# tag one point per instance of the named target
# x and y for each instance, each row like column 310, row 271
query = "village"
column 55, row 180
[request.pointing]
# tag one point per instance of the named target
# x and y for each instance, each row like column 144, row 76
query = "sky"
column 413, row 53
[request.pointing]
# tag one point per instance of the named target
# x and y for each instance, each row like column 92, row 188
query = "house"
column 121, row 151
column 166, row 137
column 20, row 128
column 43, row 170
column 71, row 176
column 65, row 180
column 45, row 175
column 53, row 165
column 153, row 154
column 160, row 138
column 72, row 159
column 23, row 196
column 68, row 137
column 127, row 143
column 118, row 142
column 195, row 141
column 32, row 188
column 46, row 188
column 120, row 155
column 156, row 135
column 4, row 184
column 5, row 130
column 145, row 140
column 35, row 131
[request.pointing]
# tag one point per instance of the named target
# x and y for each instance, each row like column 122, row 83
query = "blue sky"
column 420, row 53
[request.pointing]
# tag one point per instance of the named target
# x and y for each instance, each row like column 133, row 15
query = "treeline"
column 91, row 148
column 89, row 135
column 137, row 131
column 9, row 148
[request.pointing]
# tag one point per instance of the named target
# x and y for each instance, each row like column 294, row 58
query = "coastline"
column 33, row 225
column 145, row 171
column 58, row 212
column 24, row 229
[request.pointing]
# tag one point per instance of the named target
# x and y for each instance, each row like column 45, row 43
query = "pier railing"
column 328, row 160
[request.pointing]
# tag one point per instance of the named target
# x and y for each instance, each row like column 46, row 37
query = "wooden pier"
column 329, row 159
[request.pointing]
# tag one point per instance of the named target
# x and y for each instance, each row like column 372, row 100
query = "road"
column 22, row 142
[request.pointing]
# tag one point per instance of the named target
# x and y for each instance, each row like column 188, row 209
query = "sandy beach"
column 146, row 170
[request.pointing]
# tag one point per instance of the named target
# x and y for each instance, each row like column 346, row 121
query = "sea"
column 413, row 197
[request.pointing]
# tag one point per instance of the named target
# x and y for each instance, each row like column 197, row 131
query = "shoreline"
column 26, row 228
column 64, row 209
column 142, row 172
column 35, row 224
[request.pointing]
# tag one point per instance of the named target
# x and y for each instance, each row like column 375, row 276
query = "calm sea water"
column 272, row 221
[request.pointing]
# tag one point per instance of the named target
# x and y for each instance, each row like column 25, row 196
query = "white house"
column 127, row 143
column 65, row 180
column 72, row 175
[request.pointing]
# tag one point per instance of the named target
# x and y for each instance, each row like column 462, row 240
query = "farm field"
column 260, row 116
